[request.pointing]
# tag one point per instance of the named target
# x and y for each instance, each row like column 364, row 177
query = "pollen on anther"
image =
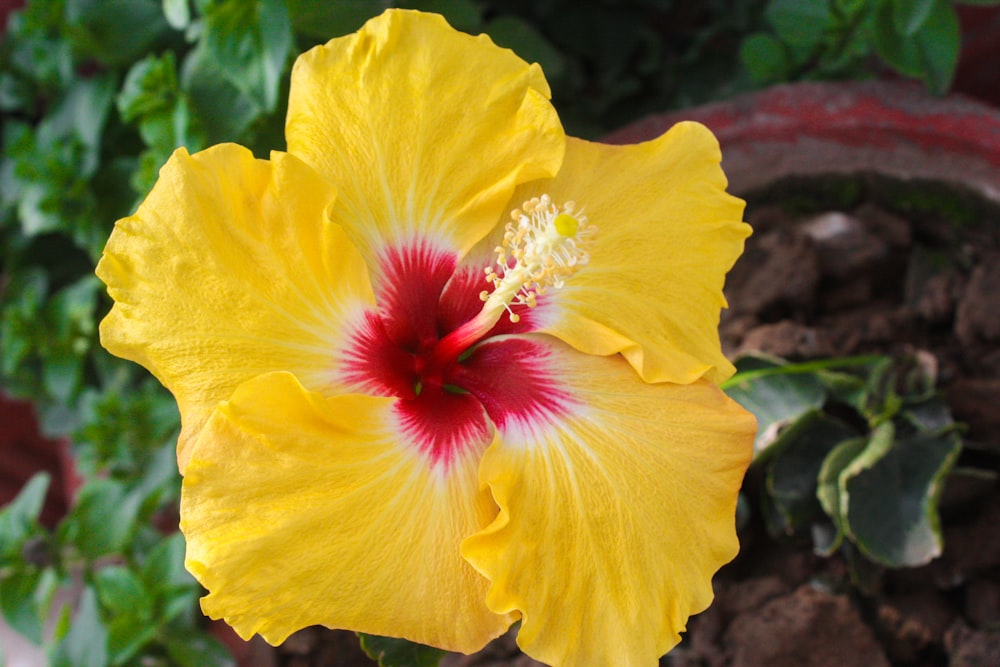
column 543, row 245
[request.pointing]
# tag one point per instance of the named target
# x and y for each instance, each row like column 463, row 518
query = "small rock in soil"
column 932, row 286
column 741, row 596
column 765, row 217
column 914, row 625
column 889, row 227
column 320, row 647
column 807, row 628
column 978, row 316
column 982, row 603
column 703, row 646
column 780, row 269
column 974, row 402
column 973, row 546
column 972, row 648
column 848, row 294
column 859, row 330
column 844, row 246
column 963, row 492
column 787, row 339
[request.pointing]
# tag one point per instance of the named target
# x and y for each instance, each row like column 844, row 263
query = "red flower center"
column 448, row 396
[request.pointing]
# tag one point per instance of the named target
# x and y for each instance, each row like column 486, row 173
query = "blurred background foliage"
column 96, row 94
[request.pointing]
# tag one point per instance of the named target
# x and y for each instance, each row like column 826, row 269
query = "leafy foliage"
column 837, row 39
column 856, row 456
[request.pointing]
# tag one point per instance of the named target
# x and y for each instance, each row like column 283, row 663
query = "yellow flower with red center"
column 441, row 367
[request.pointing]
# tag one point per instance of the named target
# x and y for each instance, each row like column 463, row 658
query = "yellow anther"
column 542, row 246
column 566, row 224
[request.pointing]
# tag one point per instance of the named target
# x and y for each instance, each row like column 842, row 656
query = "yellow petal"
column 301, row 510
column 615, row 511
column 425, row 130
column 227, row 270
column 667, row 233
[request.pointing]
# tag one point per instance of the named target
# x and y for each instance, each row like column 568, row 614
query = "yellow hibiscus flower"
column 439, row 366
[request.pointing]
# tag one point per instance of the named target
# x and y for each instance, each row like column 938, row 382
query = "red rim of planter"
column 892, row 128
column 24, row 451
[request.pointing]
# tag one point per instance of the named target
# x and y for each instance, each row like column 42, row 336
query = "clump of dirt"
column 836, row 269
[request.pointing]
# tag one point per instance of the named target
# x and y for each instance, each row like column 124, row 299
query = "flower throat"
column 542, row 246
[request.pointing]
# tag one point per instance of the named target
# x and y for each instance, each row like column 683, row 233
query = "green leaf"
column 173, row 588
column 18, row 601
column 909, row 15
column 930, row 54
column 828, row 492
column 82, row 112
column 150, row 86
column 26, row 599
column 19, row 317
column 325, row 20
column 776, row 394
column 225, row 110
column 797, row 458
column 177, row 13
column 127, row 430
column 129, row 606
column 464, row 15
column 197, row 650
column 930, row 415
column 151, row 97
column 251, row 42
column 765, row 58
column 62, row 372
column 103, row 519
column 394, row 652
column 799, row 23
column 164, row 565
column 526, row 41
column 939, row 39
column 71, row 327
column 20, row 516
column 846, row 387
column 86, row 643
column 127, row 636
column 889, row 496
column 115, row 32
column 121, row 591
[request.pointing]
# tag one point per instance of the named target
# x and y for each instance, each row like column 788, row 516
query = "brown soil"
column 851, row 278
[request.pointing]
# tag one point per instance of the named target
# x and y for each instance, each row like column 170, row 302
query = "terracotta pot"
column 808, row 129
column 24, row 452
